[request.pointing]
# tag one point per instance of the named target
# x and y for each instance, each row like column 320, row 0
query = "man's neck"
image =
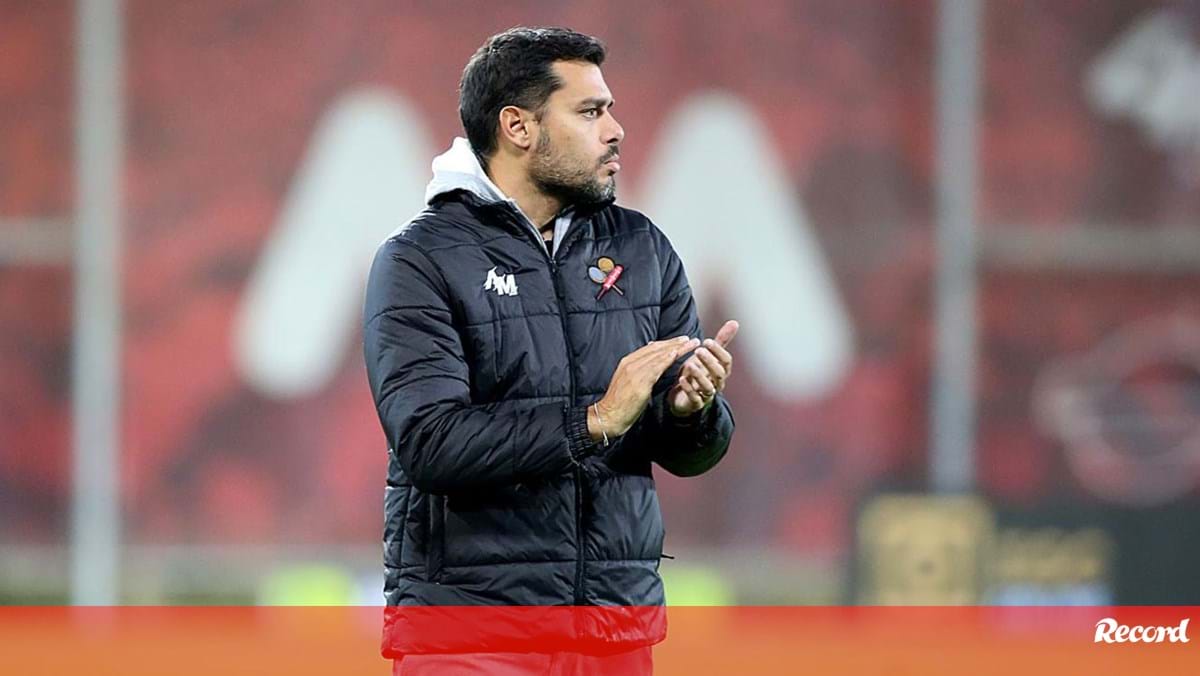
column 514, row 182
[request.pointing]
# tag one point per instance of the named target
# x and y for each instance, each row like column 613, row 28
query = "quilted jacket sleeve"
column 420, row 383
column 695, row 444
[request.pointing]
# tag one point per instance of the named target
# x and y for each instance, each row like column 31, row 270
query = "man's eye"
column 591, row 112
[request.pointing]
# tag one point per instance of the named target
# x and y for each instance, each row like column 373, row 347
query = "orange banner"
column 135, row 641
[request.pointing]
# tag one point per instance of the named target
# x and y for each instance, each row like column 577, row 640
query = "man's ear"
column 518, row 127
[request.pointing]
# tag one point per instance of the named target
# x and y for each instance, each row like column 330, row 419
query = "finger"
column 679, row 350
column 688, row 382
column 685, row 384
column 683, row 368
column 654, row 368
column 727, row 332
column 703, row 383
column 716, row 370
column 720, row 353
column 673, row 341
column 665, row 343
column 676, row 344
column 655, row 349
column 690, row 390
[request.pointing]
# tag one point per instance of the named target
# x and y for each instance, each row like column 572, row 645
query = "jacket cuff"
column 699, row 429
column 689, row 421
column 579, row 441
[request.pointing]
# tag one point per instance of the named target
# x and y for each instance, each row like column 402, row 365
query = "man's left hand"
column 703, row 374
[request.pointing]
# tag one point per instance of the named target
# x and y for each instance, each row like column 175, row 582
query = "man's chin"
column 609, row 191
column 582, row 195
column 598, row 193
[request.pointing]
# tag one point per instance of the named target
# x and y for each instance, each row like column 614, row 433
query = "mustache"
column 612, row 152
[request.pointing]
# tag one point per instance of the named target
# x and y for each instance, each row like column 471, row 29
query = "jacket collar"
column 459, row 169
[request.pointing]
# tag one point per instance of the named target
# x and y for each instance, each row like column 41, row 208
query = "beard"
column 571, row 182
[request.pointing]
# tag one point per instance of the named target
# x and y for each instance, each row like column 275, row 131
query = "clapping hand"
column 704, row 373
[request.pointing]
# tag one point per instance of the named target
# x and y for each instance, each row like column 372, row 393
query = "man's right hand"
column 631, row 384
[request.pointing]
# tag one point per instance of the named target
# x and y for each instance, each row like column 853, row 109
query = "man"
column 532, row 349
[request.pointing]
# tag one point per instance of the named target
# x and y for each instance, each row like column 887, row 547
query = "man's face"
column 575, row 158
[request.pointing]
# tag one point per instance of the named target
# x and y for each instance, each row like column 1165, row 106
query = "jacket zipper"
column 579, row 484
column 578, row 473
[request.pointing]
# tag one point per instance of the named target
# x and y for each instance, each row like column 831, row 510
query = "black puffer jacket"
column 496, row 495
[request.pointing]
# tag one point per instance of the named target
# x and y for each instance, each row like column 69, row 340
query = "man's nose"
column 615, row 133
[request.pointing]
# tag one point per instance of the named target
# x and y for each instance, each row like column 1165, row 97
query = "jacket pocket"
column 437, row 538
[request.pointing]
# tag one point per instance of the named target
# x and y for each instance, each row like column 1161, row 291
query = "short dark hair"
column 513, row 68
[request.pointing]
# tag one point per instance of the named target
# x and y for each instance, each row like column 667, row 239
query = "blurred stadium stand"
column 801, row 155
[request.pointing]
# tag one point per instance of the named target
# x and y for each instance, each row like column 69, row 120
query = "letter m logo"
column 503, row 285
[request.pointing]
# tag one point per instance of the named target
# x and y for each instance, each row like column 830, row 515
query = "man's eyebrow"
column 597, row 101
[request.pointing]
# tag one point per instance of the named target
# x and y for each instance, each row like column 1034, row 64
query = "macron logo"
column 1109, row 630
column 503, row 285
